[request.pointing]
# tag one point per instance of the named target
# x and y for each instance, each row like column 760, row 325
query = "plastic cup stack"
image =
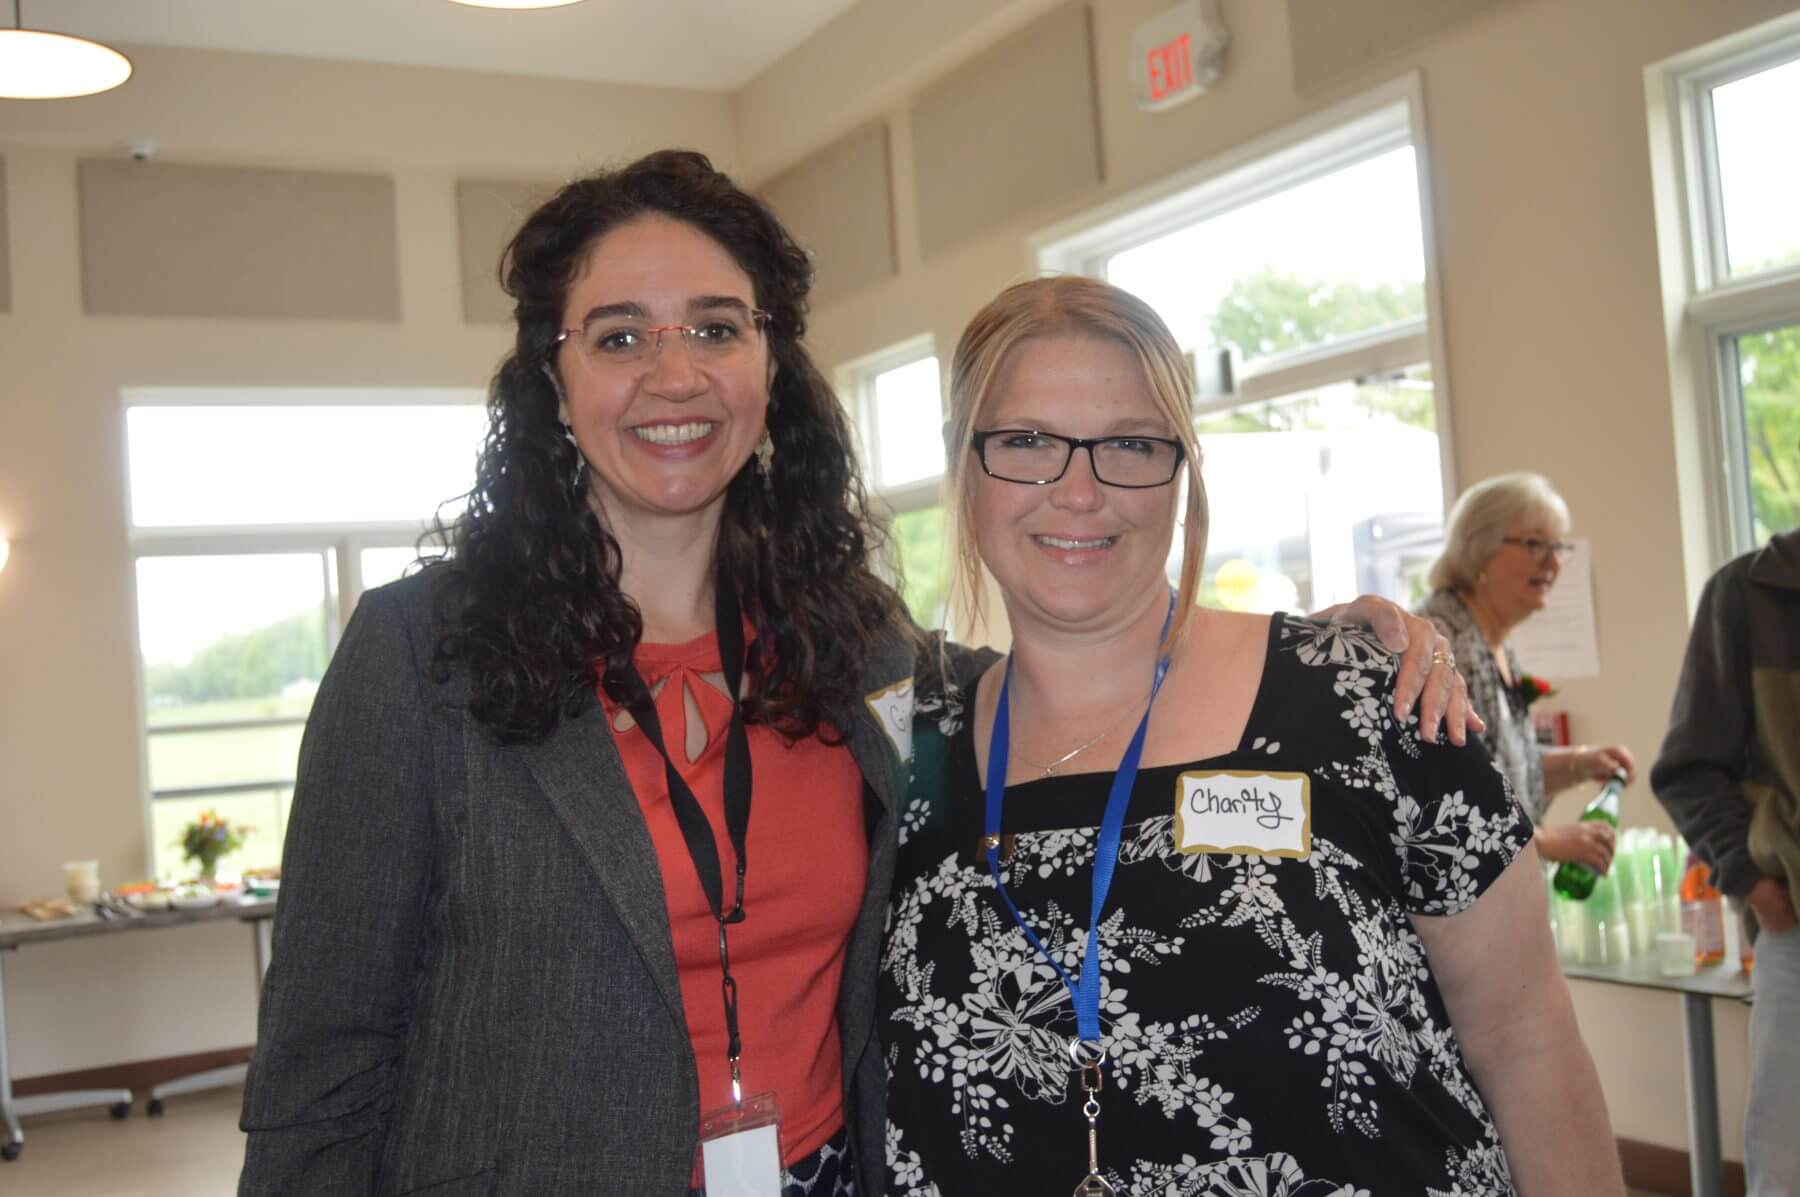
column 1609, row 938
column 1677, row 851
column 1568, row 925
column 1633, row 904
column 1640, row 867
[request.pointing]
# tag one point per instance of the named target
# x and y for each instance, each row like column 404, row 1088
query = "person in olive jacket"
column 1729, row 775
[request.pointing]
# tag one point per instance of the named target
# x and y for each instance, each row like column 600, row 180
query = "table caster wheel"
column 10, row 1151
column 121, row 1109
column 154, row 1107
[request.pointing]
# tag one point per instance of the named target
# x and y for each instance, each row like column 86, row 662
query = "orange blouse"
column 808, row 866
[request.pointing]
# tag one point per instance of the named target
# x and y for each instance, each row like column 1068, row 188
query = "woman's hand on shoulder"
column 1427, row 675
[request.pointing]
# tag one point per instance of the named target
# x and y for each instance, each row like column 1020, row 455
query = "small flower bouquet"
column 208, row 839
column 1530, row 689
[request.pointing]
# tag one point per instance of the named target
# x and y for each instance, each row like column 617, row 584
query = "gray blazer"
column 473, row 988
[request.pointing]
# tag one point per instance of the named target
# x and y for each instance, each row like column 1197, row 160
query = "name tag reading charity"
column 1237, row 812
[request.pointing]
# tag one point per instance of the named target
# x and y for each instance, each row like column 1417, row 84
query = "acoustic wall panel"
column 488, row 213
column 1013, row 131
column 1331, row 39
column 222, row 241
column 840, row 204
column 5, row 247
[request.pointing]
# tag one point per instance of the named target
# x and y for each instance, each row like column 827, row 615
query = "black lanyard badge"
column 695, row 830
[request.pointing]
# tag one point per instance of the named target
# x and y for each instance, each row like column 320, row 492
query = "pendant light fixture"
column 515, row 3
column 52, row 66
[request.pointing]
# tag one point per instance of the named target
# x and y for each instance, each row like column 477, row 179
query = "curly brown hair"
column 529, row 597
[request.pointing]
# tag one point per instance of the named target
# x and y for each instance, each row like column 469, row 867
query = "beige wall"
column 71, row 784
column 1547, row 256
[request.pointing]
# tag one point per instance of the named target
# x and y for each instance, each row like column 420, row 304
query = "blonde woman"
column 1181, row 906
column 1503, row 552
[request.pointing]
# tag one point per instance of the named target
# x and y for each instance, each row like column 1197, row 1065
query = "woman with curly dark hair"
column 531, row 939
column 520, row 847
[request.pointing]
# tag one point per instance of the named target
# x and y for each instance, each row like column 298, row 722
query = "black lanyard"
column 695, row 828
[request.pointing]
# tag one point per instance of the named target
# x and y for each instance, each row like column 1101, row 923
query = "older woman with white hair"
column 1502, row 554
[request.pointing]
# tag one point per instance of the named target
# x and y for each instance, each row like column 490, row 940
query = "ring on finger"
column 1441, row 657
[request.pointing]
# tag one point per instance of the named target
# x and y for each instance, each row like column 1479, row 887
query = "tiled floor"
column 193, row 1150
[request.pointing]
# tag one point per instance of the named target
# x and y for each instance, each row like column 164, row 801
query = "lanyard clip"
column 737, row 1083
column 1087, row 1053
column 1003, row 844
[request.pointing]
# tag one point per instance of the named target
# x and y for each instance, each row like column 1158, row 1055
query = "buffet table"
column 1705, row 1155
column 17, row 931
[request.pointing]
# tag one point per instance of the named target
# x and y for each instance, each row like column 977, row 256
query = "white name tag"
column 746, row 1164
column 740, row 1149
column 893, row 710
column 1238, row 812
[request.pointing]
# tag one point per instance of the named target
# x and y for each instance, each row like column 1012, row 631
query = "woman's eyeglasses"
column 1540, row 549
column 1039, row 458
column 618, row 342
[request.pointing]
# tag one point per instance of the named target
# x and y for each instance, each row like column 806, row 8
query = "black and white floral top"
column 1272, row 1023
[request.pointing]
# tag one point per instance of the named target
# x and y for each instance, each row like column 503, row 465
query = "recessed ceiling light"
column 52, row 66
column 516, row 3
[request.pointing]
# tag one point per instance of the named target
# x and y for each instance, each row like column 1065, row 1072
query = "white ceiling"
column 709, row 45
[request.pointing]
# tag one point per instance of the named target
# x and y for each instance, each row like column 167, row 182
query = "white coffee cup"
column 1675, row 954
column 82, row 879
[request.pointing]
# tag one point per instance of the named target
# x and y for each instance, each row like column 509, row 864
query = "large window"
column 256, row 522
column 1298, row 278
column 897, row 400
column 1727, row 112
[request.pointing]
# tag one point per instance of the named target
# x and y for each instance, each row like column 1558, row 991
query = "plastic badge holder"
column 740, row 1149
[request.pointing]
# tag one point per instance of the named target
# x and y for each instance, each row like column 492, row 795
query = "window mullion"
column 1744, row 306
column 1731, row 453
column 871, row 428
column 914, row 496
column 1386, row 351
column 1713, row 260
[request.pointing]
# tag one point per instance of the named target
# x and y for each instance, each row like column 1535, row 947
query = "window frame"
column 856, row 381
column 856, row 384
column 1706, row 309
column 1357, row 129
column 339, row 545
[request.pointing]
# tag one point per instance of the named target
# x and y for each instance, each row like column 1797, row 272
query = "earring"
column 765, row 453
column 575, row 481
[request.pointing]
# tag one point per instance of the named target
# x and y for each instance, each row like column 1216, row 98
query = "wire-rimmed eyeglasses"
column 1541, row 549
column 616, row 341
column 1039, row 458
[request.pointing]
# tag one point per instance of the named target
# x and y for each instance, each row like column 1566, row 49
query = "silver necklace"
column 1050, row 769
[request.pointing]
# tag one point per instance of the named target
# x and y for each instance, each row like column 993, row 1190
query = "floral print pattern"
column 1272, row 1025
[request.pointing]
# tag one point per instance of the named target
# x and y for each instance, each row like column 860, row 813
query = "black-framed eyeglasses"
column 1541, row 549
column 1039, row 458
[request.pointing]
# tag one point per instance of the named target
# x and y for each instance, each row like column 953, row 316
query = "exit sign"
column 1178, row 55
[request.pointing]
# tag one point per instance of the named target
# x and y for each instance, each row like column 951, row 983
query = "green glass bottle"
column 1576, row 881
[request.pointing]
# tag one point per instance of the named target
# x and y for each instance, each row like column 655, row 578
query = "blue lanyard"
column 1086, row 995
